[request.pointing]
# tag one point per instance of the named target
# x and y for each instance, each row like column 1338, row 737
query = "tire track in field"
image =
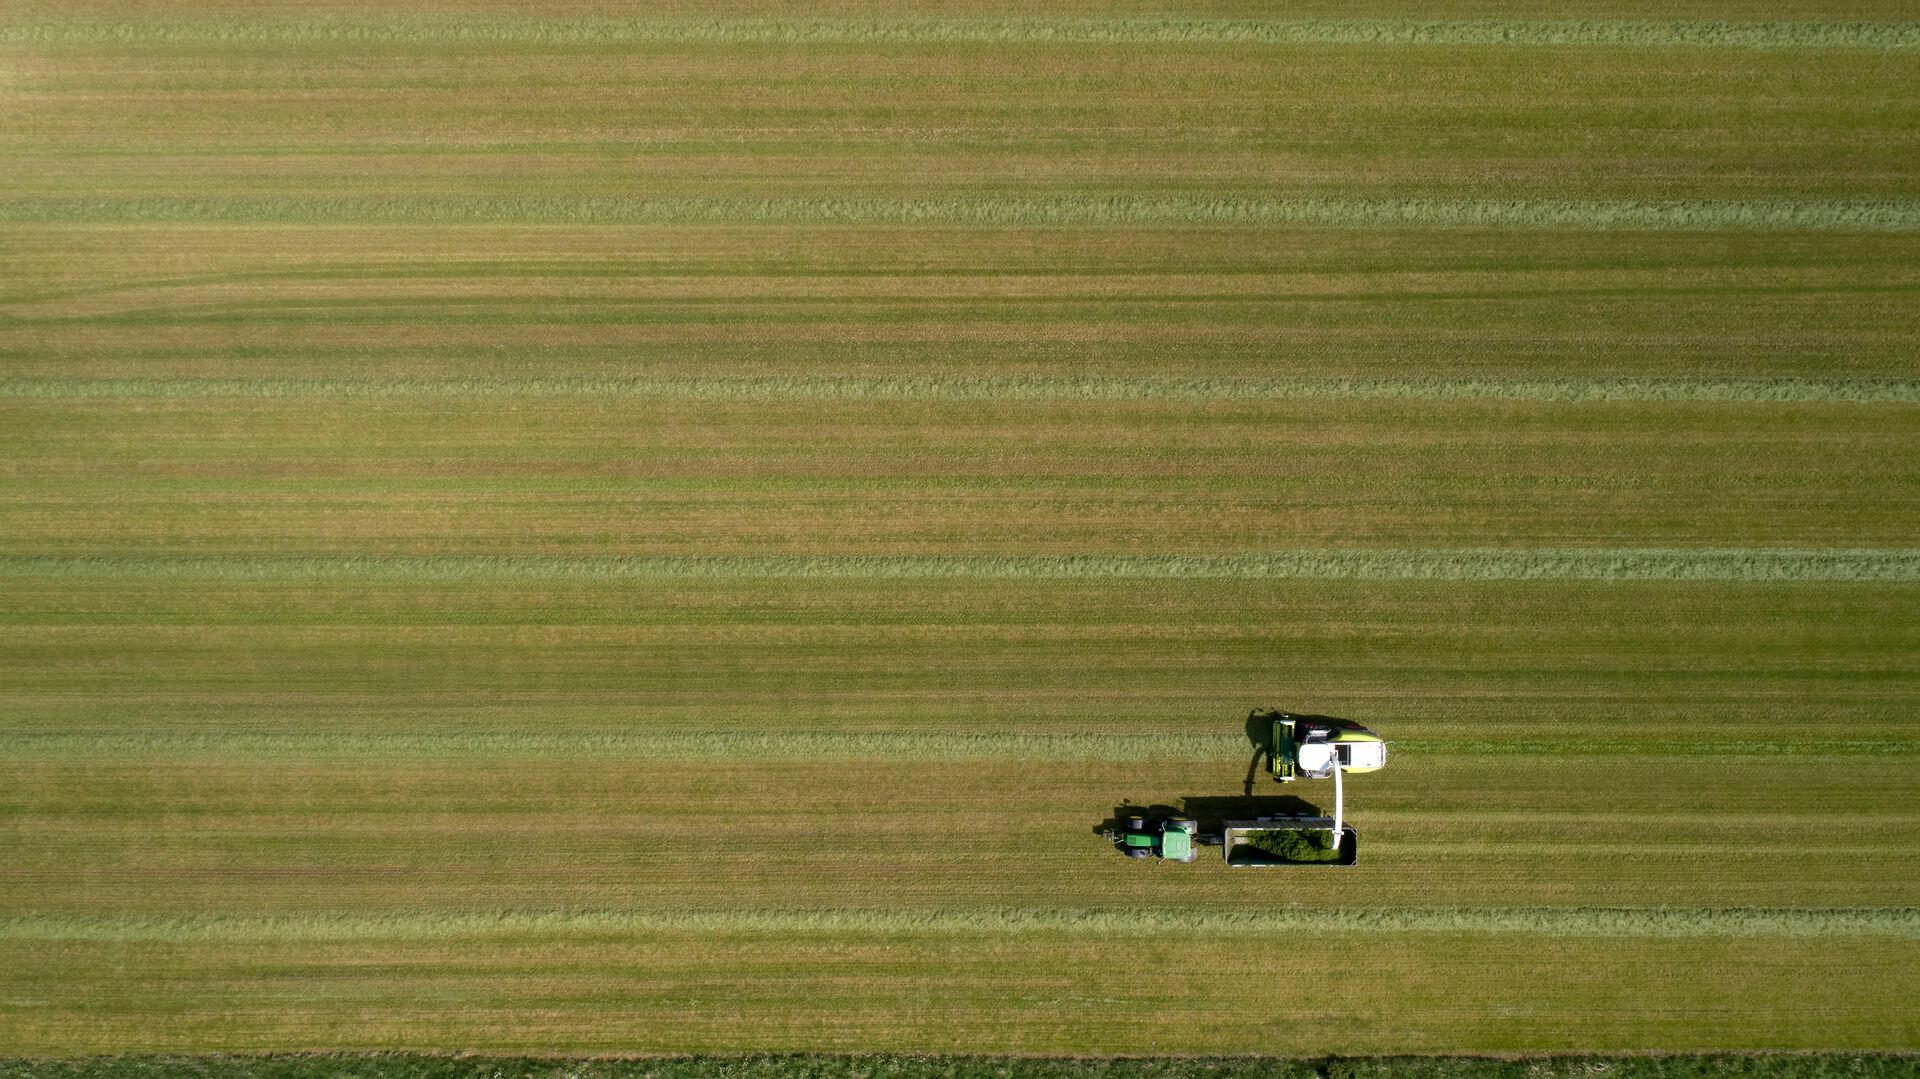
column 1902, row 923
column 470, row 30
column 1467, row 564
column 1545, row 390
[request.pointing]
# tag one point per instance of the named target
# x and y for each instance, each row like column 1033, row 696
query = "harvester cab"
column 1318, row 747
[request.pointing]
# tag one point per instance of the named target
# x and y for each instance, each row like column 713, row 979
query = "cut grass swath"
column 500, row 31
column 1087, row 211
column 1756, row 391
column 1902, row 923
column 1486, row 564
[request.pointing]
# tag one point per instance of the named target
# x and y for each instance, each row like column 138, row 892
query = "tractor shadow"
column 1212, row 811
column 1121, row 812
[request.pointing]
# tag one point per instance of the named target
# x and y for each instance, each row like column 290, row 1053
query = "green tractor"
column 1317, row 747
column 1170, row 839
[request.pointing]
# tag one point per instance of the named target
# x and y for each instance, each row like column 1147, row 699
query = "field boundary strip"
column 466, row 1064
column 1476, row 564
column 1889, row 214
column 404, row 30
column 1901, row 923
column 804, row 745
column 1013, row 388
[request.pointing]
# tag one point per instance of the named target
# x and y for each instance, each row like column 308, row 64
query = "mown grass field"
column 553, row 529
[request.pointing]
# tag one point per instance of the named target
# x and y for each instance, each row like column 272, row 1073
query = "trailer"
column 1313, row 841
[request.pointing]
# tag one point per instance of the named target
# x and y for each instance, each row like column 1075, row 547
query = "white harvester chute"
column 1316, row 758
column 1339, row 807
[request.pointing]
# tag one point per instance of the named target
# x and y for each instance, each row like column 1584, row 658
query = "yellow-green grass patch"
column 599, row 477
column 698, row 989
column 176, row 835
column 992, row 132
column 535, row 528
column 878, row 312
column 695, row 667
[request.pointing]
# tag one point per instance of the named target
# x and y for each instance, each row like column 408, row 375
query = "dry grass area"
column 736, row 990
column 508, row 475
column 495, row 302
column 542, row 528
column 205, row 832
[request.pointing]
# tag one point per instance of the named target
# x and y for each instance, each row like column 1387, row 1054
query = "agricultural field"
column 547, row 529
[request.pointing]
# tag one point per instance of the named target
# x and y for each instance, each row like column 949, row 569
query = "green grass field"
column 560, row 529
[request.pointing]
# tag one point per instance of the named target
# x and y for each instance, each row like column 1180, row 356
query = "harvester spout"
column 1339, row 806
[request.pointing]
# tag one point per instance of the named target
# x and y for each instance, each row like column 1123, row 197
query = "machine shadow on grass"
column 1211, row 812
column 1260, row 735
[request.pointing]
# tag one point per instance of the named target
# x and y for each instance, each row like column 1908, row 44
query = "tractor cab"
column 1168, row 838
column 1176, row 840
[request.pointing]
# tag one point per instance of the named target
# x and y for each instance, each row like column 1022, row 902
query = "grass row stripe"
column 1893, row 214
column 685, row 746
column 1734, row 390
column 1901, row 923
column 1098, row 746
column 444, row 30
column 1478, row 564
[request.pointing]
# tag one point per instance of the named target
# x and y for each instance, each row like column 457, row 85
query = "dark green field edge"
column 1466, row 564
column 1733, row 390
column 482, row 30
column 1706, row 215
column 895, row 1066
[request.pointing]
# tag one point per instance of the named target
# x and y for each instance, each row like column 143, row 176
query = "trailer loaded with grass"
column 1297, row 841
